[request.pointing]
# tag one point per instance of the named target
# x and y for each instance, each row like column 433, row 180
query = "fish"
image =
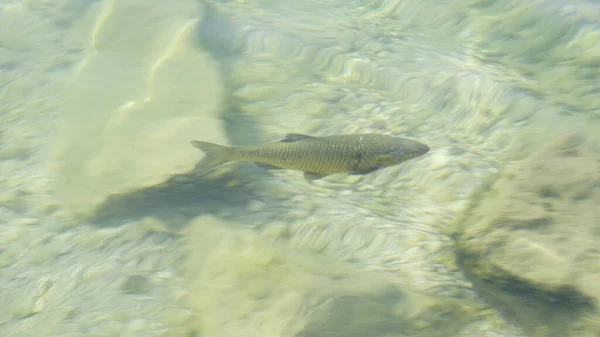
column 317, row 157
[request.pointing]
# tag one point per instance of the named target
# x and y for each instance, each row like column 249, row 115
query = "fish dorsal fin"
column 295, row 137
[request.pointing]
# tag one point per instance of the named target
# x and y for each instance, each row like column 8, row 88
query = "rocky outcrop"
column 243, row 282
column 531, row 239
column 136, row 101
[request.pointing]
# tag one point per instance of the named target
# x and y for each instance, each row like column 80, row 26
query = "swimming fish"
column 317, row 157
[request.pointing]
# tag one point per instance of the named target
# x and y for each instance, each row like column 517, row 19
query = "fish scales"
column 318, row 156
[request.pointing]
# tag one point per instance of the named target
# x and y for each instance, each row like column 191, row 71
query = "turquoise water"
column 104, row 231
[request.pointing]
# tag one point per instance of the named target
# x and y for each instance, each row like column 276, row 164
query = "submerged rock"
column 243, row 282
column 531, row 240
column 136, row 101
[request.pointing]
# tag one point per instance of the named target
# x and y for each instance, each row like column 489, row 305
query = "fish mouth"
column 422, row 149
column 418, row 149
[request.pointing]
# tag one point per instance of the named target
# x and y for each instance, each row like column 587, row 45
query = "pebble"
column 378, row 123
column 352, row 179
column 48, row 207
column 26, row 222
column 151, row 224
column 7, row 257
column 178, row 316
column 255, row 92
column 11, row 200
column 14, row 152
column 23, row 307
column 438, row 161
column 276, row 231
column 255, row 206
column 377, row 208
column 107, row 329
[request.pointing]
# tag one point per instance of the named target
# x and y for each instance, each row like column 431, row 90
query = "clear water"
column 103, row 231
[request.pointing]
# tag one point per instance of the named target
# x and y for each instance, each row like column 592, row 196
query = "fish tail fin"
column 215, row 155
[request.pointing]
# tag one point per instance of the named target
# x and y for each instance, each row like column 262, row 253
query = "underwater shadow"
column 526, row 305
column 180, row 199
column 223, row 38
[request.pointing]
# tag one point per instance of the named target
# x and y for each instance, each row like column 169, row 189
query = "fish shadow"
column 180, row 199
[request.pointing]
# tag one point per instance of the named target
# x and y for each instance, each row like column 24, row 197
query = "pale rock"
column 141, row 94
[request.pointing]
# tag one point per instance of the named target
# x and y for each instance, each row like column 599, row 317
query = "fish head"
column 402, row 150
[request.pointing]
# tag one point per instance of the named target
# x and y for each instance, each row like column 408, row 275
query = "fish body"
column 317, row 157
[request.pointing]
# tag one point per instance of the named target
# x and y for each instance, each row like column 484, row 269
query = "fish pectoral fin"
column 386, row 160
column 295, row 137
column 313, row 175
column 267, row 166
column 365, row 171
